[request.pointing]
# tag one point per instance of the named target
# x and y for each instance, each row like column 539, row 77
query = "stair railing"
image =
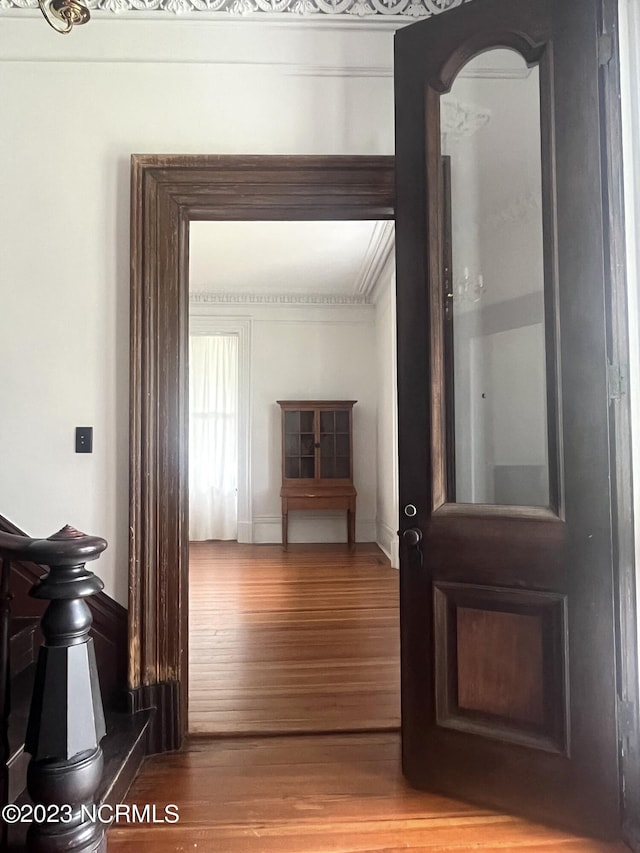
column 66, row 718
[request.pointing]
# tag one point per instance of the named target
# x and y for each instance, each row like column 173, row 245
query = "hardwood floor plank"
column 292, row 641
column 315, row 794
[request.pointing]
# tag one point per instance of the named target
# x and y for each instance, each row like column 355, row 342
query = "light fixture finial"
column 70, row 13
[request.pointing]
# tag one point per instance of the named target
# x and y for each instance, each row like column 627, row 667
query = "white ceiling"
column 324, row 258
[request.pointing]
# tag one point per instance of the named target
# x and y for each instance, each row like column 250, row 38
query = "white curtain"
column 213, row 437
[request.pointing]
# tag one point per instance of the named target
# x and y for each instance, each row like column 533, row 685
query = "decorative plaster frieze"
column 276, row 298
column 263, row 8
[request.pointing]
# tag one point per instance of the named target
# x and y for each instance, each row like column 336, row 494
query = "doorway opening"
column 304, row 639
column 169, row 193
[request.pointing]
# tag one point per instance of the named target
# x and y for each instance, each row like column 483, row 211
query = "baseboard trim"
column 245, row 532
column 387, row 541
column 165, row 730
column 310, row 527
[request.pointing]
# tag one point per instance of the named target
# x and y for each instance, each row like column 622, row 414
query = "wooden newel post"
column 66, row 721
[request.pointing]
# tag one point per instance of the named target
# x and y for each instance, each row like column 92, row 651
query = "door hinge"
column 616, row 381
column 605, row 48
column 627, row 724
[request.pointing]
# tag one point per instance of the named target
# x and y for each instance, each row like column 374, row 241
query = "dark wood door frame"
column 167, row 192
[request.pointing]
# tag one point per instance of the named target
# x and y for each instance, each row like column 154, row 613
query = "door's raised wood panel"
column 501, row 665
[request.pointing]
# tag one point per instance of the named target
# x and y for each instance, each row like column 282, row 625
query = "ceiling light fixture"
column 68, row 13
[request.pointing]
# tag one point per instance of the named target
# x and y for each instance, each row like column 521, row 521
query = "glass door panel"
column 299, row 445
column 335, row 460
column 495, row 287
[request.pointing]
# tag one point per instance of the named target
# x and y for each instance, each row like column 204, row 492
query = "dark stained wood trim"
column 109, row 628
column 531, row 513
column 525, row 36
column 166, row 193
column 413, row 366
column 437, row 285
column 165, row 730
column 109, row 632
column 551, row 288
column 448, row 333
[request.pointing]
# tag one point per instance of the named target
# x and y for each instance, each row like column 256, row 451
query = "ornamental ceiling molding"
column 376, row 258
column 263, row 9
column 203, row 297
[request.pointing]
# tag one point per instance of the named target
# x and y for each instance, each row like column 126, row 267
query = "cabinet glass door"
column 299, row 445
column 335, row 445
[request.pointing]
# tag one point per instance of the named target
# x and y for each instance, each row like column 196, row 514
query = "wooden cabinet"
column 317, row 459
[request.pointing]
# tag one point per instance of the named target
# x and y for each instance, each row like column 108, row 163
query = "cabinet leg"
column 285, row 530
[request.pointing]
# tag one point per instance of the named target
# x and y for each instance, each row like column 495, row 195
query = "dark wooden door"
column 507, row 569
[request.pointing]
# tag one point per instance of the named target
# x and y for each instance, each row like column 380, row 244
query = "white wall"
column 308, row 353
column 386, row 365
column 73, row 111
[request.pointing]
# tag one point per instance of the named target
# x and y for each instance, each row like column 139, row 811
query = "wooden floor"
column 304, row 640
column 290, row 642
column 315, row 794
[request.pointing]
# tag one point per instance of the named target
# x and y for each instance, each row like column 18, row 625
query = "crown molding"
column 264, row 9
column 376, row 257
column 205, row 297
column 386, row 277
